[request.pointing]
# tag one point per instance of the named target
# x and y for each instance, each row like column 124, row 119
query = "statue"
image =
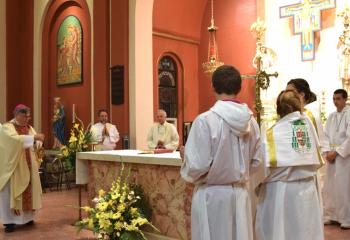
column 58, row 123
column 264, row 58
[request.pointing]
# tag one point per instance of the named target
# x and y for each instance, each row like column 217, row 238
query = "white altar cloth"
column 127, row 156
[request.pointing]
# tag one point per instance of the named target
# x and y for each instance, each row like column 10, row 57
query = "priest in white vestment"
column 20, row 188
column 337, row 184
column 162, row 135
column 289, row 207
column 223, row 144
column 104, row 133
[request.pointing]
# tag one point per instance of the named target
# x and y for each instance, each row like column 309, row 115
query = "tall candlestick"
column 73, row 117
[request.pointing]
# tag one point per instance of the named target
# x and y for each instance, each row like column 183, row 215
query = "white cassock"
column 313, row 112
column 105, row 142
column 166, row 133
column 223, row 144
column 289, row 206
column 337, row 184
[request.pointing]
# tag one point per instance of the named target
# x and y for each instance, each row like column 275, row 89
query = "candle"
column 73, row 112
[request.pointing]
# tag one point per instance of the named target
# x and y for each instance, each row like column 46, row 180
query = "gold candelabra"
column 213, row 61
column 263, row 59
column 344, row 49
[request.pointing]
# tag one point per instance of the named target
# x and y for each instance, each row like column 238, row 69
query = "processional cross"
column 307, row 20
column 263, row 59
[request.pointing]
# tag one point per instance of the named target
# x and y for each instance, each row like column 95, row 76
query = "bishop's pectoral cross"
column 307, row 20
column 262, row 80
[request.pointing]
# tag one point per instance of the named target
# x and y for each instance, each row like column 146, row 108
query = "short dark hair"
column 343, row 93
column 288, row 101
column 102, row 110
column 302, row 86
column 227, row 79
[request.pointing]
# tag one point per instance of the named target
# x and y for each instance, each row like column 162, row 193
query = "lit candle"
column 73, row 113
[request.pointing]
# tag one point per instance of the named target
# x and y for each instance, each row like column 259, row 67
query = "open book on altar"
column 156, row 151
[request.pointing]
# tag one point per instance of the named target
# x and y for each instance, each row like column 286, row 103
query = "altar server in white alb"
column 223, row 144
column 311, row 108
column 289, row 207
column 104, row 133
column 337, row 183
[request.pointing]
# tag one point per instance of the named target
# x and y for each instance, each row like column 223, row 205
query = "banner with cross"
column 307, row 20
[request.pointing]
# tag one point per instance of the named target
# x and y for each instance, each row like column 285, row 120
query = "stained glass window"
column 167, row 86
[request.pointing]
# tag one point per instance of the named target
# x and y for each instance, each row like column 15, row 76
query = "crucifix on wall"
column 307, row 20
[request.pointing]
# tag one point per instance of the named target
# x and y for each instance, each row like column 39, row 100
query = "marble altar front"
column 159, row 176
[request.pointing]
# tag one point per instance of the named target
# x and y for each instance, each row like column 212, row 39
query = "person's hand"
column 105, row 131
column 330, row 156
column 182, row 152
column 160, row 145
column 16, row 212
column 39, row 137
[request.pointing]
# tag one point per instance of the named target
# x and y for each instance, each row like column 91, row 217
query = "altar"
column 159, row 176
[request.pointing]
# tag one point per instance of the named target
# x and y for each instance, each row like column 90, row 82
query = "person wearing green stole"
column 20, row 188
column 288, row 206
column 311, row 109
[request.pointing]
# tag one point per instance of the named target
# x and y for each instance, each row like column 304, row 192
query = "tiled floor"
column 335, row 233
column 55, row 219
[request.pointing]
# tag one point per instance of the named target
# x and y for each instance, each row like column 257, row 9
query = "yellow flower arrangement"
column 79, row 141
column 118, row 213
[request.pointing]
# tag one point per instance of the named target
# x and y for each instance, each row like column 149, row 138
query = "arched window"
column 167, row 86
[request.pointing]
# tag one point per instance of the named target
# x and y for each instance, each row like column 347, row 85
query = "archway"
column 79, row 94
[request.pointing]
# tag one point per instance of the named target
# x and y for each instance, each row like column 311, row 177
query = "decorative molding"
column 90, row 4
column 3, row 91
column 175, row 37
column 40, row 10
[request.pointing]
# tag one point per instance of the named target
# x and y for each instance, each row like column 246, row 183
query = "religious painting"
column 69, row 52
column 306, row 21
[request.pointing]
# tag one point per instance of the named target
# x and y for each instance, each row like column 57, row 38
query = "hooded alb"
column 219, row 151
column 222, row 143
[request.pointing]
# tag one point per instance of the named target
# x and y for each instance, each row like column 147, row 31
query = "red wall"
column 190, row 19
column 184, row 23
column 181, row 17
column 101, row 56
column 236, row 46
column 120, row 56
column 78, row 94
column 19, row 54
